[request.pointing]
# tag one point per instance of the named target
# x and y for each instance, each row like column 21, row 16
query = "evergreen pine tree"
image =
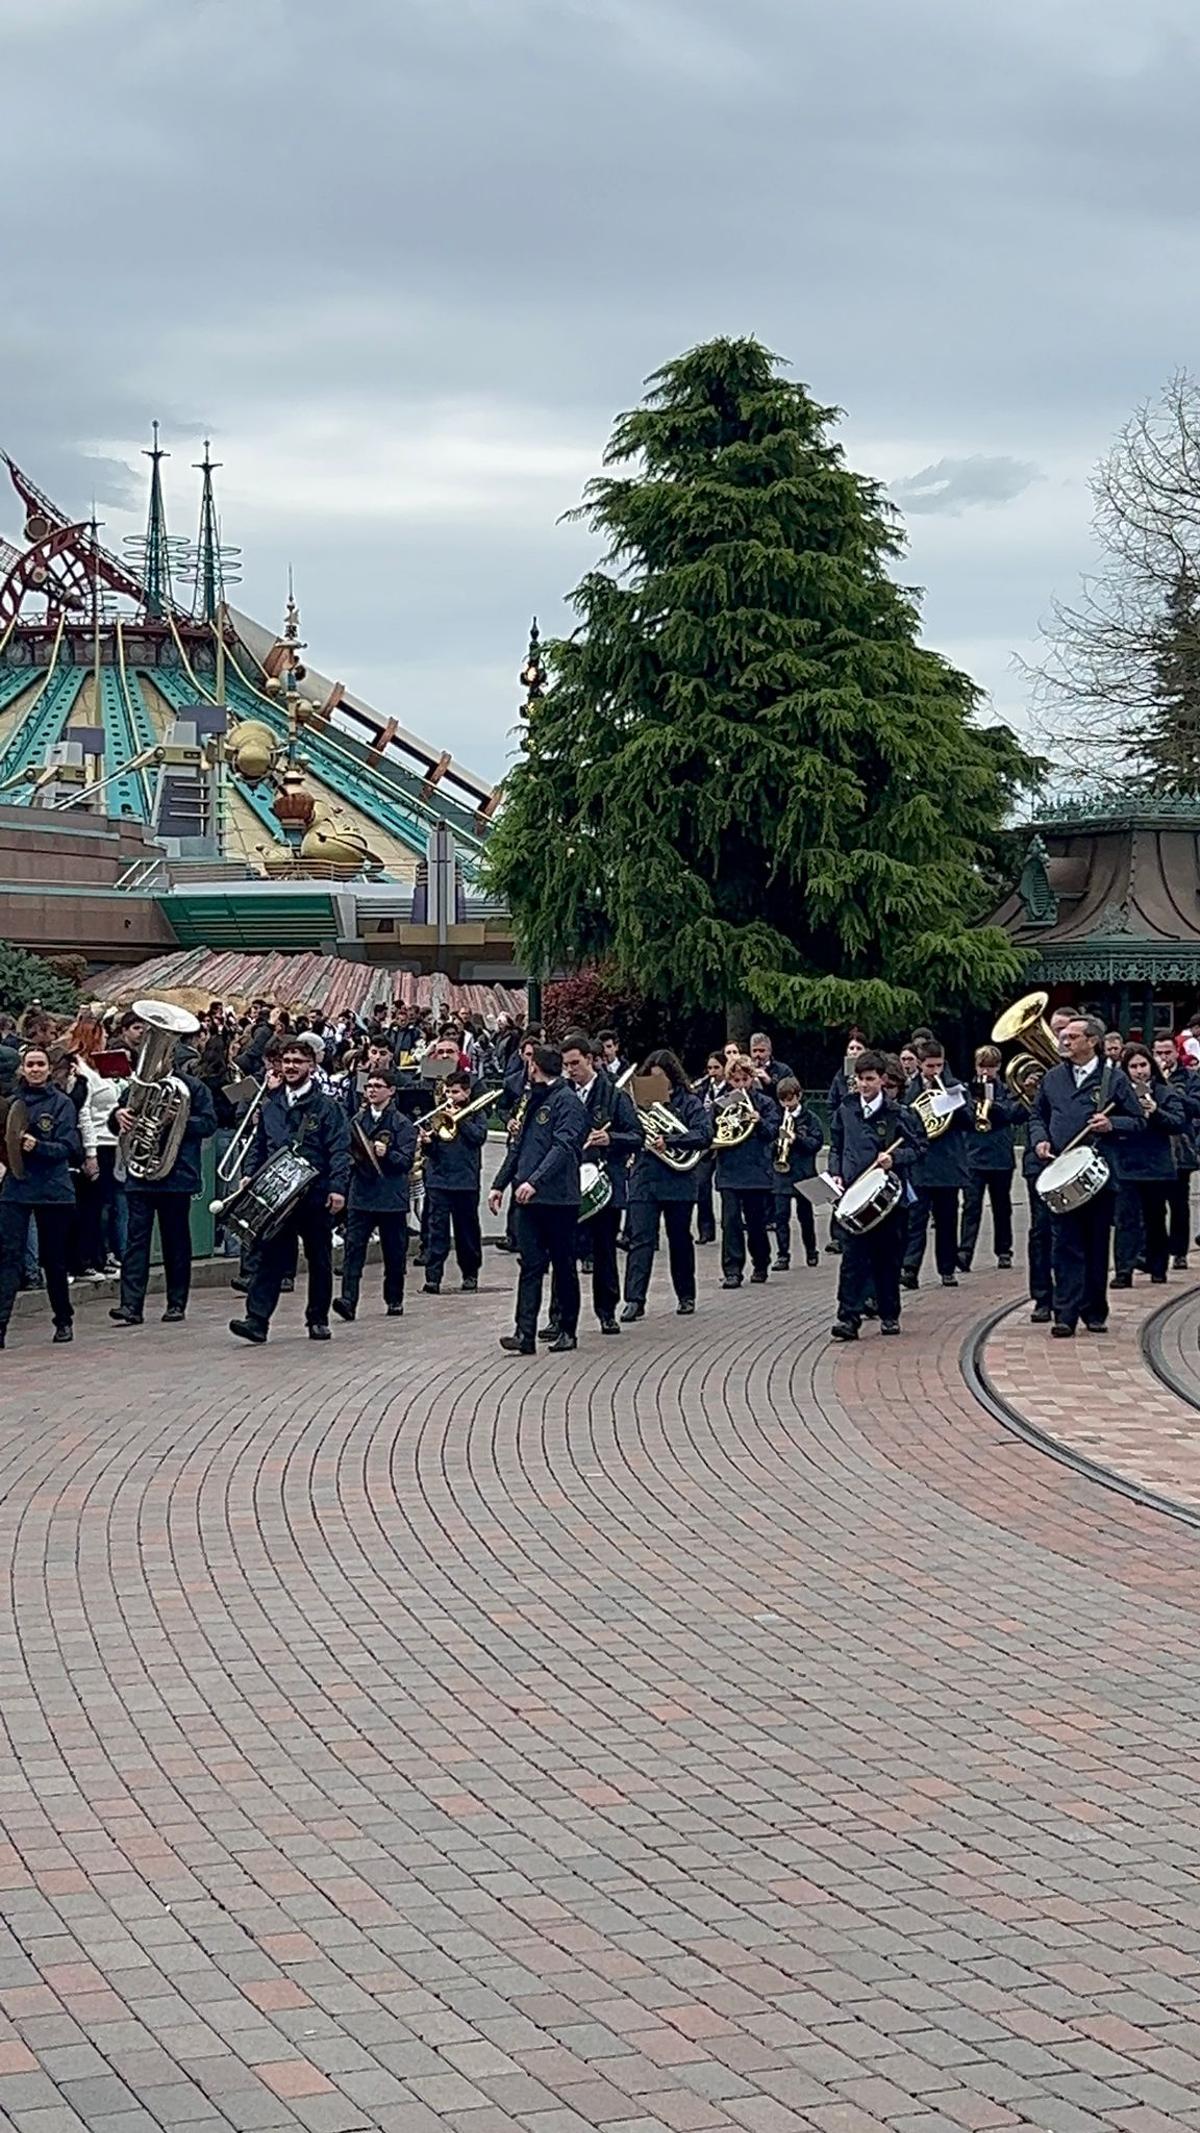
column 749, row 787
column 1170, row 742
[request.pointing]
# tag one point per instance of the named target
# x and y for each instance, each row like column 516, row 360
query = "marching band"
column 600, row 1154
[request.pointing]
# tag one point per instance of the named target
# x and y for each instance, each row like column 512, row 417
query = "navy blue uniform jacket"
column 385, row 1192
column 613, row 1109
column 1187, row 1082
column 994, row 1150
column 1061, row 1111
column 945, row 1160
column 455, row 1166
column 802, row 1156
column 1147, row 1152
column 653, row 1180
column 748, row 1167
column 855, row 1141
column 184, row 1174
column 316, row 1127
column 547, row 1151
column 55, row 1126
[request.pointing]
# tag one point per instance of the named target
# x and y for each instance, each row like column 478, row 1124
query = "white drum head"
column 1065, row 1169
column 861, row 1194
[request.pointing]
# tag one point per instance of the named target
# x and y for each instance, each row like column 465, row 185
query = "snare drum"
column 869, row 1200
column 1071, row 1180
column 595, row 1190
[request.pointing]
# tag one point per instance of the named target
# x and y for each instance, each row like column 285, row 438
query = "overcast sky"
column 405, row 259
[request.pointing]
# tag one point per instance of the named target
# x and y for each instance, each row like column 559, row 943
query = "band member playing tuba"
column 453, row 1168
column 42, row 1141
column 1082, row 1097
column 797, row 1145
column 383, row 1144
column 169, row 1198
column 300, row 1116
column 744, row 1175
column 863, row 1135
column 656, row 1190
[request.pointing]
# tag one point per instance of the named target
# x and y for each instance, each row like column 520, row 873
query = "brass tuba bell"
column 1025, row 1023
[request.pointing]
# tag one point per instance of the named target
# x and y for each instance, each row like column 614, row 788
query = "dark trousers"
column 174, row 1211
column 1179, row 1214
column 706, row 1221
column 313, row 1228
column 87, row 1244
column 870, row 1270
column 53, row 1234
column 361, row 1224
column 782, row 1219
column 744, row 1223
column 643, row 1243
column 546, row 1239
column 995, row 1185
column 1079, row 1257
column 596, row 1240
column 1141, row 1232
column 114, row 1206
column 940, row 1202
column 456, row 1212
column 1040, row 1246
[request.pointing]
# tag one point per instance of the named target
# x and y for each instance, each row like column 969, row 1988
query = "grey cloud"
column 951, row 486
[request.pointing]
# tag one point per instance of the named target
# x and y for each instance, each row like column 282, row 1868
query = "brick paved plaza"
column 711, row 1732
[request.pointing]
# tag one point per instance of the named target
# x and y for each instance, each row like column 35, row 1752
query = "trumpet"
column 983, row 1108
column 452, row 1116
column 783, row 1142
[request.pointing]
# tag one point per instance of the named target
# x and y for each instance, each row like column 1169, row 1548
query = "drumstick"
column 1085, row 1130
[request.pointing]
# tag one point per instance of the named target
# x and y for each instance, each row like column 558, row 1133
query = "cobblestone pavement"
column 1104, row 1401
column 711, row 1732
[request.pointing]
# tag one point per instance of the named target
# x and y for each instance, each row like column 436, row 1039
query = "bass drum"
column 1073, row 1179
column 259, row 1209
column 869, row 1201
column 595, row 1190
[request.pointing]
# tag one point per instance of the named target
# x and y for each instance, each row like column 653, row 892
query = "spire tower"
column 158, row 552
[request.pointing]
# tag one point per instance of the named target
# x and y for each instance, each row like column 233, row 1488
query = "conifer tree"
column 1170, row 741
column 749, row 787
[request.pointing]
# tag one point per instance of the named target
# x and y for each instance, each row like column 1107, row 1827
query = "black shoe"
column 1095, row 1325
column 949, row 1281
column 685, row 1308
column 502, row 1245
column 732, row 1281
column 241, row 1284
column 287, row 1285
column 1158, row 1280
column 870, row 1310
column 470, row 1285
column 585, row 1266
column 836, row 1249
column 512, row 1344
column 609, row 1325
column 420, row 1258
column 319, row 1331
column 964, row 1264
column 120, row 1316
column 1180, row 1264
column 174, row 1315
column 813, row 1259
column 344, row 1310
column 759, row 1274
column 780, row 1265
column 889, row 1325
column 1004, row 1259
column 395, row 1310
column 843, row 1330
column 910, row 1281
column 246, row 1330
column 1040, row 1315
column 1062, row 1333
column 631, row 1311
column 431, row 1288
column 561, row 1343
column 549, row 1332
column 707, row 1236
column 1121, row 1281
column 64, row 1333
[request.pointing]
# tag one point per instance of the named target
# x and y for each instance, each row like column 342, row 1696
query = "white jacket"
column 95, row 1119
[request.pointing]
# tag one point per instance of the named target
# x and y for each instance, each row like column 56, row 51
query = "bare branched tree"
column 1099, row 694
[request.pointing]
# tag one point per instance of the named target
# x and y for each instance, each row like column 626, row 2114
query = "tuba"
column 157, row 1098
column 1025, row 1023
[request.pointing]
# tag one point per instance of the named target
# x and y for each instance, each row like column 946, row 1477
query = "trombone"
column 231, row 1162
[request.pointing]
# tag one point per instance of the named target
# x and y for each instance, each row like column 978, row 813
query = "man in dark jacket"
column 542, row 1166
column 613, row 1139
column 170, row 1200
column 868, row 1131
column 1084, row 1097
column 383, row 1144
column 453, row 1168
column 990, row 1158
column 300, row 1116
column 798, row 1139
column 48, row 1147
column 657, row 1190
column 745, row 1178
column 942, row 1171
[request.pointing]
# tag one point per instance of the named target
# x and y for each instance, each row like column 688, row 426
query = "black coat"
column 1186, row 1081
column 651, row 1179
column 54, row 1123
column 317, row 1127
column 994, row 1150
column 749, row 1166
column 547, row 1151
column 185, row 1172
column 806, row 1144
column 455, row 1166
column 1148, row 1152
column 382, row 1192
column 946, row 1159
column 613, row 1109
column 855, row 1141
column 1061, row 1111
column 513, row 1087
